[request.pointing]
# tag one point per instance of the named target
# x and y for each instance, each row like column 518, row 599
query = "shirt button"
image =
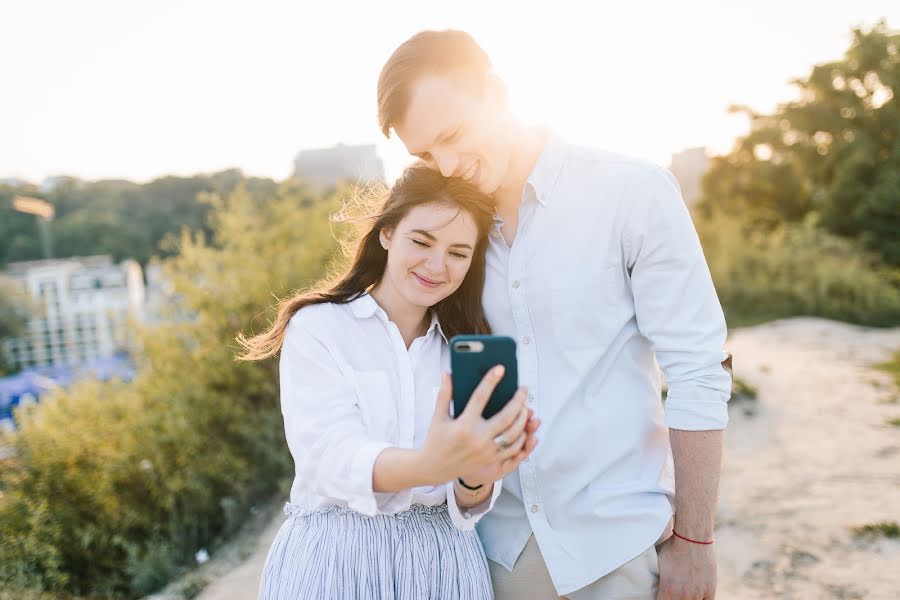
column 531, row 397
column 534, row 508
column 515, row 284
column 526, row 340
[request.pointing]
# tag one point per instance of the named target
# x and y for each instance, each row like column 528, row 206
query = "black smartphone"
column 471, row 357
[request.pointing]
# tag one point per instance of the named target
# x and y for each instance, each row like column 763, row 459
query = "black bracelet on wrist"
column 468, row 487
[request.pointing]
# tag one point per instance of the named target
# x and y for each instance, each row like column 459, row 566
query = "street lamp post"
column 44, row 212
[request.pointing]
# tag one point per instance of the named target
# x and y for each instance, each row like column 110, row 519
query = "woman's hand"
column 509, row 459
column 468, row 445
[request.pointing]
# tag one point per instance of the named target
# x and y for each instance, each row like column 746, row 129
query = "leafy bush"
column 112, row 487
column 888, row 529
column 796, row 269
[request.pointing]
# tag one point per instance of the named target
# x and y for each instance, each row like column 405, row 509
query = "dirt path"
column 243, row 582
column 817, row 459
column 814, row 460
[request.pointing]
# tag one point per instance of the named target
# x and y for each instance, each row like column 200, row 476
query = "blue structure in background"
column 31, row 383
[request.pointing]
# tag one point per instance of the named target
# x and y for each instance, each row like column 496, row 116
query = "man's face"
column 458, row 133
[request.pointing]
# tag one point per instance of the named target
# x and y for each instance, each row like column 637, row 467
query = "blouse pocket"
column 377, row 404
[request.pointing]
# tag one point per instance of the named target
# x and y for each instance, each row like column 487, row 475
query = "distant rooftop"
column 327, row 166
column 97, row 260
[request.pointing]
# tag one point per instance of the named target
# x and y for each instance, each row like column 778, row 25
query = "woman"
column 388, row 486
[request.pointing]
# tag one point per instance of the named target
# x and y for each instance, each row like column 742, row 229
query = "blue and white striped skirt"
column 338, row 553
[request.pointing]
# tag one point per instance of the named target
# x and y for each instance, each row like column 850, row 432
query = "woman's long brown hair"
column 460, row 312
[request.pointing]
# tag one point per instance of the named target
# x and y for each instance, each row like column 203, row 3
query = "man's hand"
column 687, row 571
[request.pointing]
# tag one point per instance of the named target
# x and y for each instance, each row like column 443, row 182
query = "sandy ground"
column 816, row 459
column 807, row 462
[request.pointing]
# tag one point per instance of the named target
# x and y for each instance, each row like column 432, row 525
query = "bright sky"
column 139, row 89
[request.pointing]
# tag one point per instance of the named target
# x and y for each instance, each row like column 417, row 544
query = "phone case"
column 467, row 369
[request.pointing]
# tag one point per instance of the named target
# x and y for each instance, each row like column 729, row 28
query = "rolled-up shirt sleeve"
column 676, row 305
column 466, row 518
column 333, row 454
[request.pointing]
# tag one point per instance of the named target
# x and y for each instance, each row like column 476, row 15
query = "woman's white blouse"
column 350, row 389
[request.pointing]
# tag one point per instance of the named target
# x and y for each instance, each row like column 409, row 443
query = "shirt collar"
column 364, row 306
column 548, row 167
column 436, row 324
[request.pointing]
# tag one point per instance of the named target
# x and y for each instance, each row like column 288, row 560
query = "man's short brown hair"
column 447, row 52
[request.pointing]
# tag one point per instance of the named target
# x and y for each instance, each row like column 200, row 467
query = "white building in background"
column 326, row 166
column 689, row 167
column 82, row 306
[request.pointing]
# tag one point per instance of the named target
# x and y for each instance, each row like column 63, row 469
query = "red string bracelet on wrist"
column 675, row 533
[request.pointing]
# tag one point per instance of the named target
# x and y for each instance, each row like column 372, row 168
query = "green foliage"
column 888, row 529
column 121, row 218
column 796, row 269
column 15, row 306
column 742, row 391
column 113, row 487
column 834, row 152
column 892, row 366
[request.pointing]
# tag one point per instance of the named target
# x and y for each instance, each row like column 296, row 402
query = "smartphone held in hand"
column 471, row 357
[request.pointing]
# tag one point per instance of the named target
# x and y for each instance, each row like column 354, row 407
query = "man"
column 595, row 269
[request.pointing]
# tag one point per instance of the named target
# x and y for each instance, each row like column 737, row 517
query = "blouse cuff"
column 367, row 501
column 465, row 518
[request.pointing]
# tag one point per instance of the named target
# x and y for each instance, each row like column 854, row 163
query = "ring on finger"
column 501, row 441
column 517, row 443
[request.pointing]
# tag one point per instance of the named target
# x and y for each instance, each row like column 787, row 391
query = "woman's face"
column 429, row 253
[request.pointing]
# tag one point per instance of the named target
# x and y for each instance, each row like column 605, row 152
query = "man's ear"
column 495, row 90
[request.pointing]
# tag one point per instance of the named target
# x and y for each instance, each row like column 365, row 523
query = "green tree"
column 19, row 235
column 15, row 308
column 835, row 151
column 121, row 218
column 113, row 487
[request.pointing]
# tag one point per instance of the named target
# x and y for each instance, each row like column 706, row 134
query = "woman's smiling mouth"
column 426, row 282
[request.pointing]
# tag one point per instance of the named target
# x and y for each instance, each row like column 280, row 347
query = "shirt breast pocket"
column 377, row 404
column 582, row 306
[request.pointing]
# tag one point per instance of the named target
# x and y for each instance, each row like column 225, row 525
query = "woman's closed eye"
column 427, row 245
